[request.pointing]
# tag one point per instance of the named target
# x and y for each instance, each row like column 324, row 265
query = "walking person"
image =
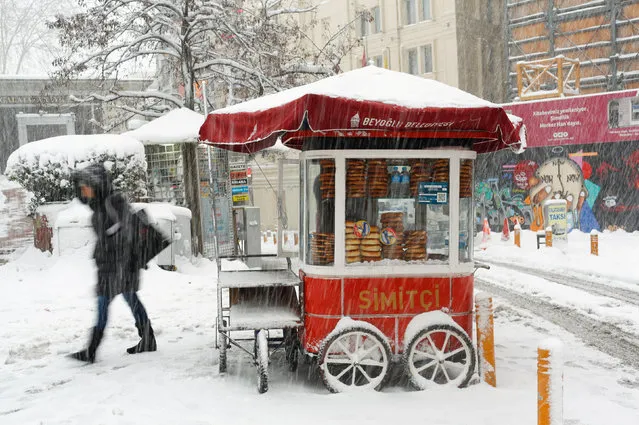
column 117, row 263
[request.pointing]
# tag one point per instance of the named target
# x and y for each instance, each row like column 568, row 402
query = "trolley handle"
column 479, row 265
column 236, row 257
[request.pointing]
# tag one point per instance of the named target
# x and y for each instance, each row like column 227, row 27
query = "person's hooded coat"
column 114, row 256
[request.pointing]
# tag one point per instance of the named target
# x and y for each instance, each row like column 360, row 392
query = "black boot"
column 147, row 341
column 88, row 354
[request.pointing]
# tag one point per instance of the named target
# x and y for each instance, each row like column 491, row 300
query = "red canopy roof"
column 367, row 102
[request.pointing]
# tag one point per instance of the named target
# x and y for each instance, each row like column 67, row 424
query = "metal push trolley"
column 386, row 239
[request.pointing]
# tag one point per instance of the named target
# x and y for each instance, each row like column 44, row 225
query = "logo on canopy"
column 355, row 121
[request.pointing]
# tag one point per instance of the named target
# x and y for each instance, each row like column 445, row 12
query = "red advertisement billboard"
column 598, row 118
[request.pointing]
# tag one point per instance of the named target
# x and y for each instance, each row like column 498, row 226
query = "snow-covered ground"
column 47, row 307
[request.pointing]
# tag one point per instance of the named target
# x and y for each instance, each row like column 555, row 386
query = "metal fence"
column 216, row 201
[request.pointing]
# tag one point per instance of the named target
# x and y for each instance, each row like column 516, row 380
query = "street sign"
column 244, row 197
column 235, row 175
column 239, row 189
column 237, row 166
column 556, row 217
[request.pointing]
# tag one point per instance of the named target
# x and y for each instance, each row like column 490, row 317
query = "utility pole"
column 614, row 11
column 551, row 27
column 507, row 39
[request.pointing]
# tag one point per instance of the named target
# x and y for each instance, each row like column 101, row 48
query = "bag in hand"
column 147, row 240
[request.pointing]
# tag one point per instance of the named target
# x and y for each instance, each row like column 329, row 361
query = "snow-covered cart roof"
column 367, row 102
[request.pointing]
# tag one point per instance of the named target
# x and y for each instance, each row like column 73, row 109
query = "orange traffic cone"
column 485, row 235
column 505, row 233
column 486, row 228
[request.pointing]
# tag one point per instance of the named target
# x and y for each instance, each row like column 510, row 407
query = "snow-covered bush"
column 44, row 167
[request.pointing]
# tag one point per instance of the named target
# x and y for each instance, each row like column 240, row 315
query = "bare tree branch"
column 242, row 52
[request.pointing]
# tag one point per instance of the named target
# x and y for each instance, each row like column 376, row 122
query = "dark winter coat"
column 118, row 270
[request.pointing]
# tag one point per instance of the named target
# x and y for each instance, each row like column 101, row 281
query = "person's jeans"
column 138, row 310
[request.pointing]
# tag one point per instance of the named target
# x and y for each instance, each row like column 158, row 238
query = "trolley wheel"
column 261, row 361
column 222, row 355
column 354, row 359
column 291, row 349
column 440, row 354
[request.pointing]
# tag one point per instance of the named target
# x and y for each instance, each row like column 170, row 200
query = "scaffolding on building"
column 602, row 35
column 548, row 78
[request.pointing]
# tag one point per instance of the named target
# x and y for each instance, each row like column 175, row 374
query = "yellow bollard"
column 594, row 242
column 518, row 235
column 485, row 338
column 549, row 383
column 548, row 237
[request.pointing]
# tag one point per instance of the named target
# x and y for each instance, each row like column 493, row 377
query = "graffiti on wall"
column 601, row 188
column 504, row 197
column 557, row 178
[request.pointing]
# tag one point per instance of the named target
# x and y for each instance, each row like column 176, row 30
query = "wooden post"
column 549, row 383
column 518, row 235
column 560, row 75
column 520, row 78
column 485, row 338
column 594, row 242
column 548, row 237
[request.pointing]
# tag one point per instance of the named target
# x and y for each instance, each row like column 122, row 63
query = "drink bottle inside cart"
column 404, row 183
column 395, row 182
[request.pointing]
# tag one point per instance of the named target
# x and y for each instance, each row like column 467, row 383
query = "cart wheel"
column 222, row 347
column 291, row 348
column 354, row 359
column 440, row 354
column 261, row 361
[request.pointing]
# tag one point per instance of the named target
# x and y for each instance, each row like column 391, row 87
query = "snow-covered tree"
column 242, row 48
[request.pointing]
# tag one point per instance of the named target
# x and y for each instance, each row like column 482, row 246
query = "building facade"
column 33, row 108
column 603, row 35
column 460, row 43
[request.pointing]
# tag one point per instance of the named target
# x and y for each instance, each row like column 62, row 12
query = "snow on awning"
column 367, row 102
column 177, row 126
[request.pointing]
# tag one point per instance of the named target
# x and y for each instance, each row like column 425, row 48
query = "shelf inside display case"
column 393, row 229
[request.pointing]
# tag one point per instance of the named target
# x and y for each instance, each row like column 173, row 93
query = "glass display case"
column 386, row 210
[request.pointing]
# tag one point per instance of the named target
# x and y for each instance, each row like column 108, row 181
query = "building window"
column 376, row 13
column 378, row 61
column 425, row 12
column 363, row 24
column 634, row 104
column 427, row 58
column 410, row 12
column 413, row 65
